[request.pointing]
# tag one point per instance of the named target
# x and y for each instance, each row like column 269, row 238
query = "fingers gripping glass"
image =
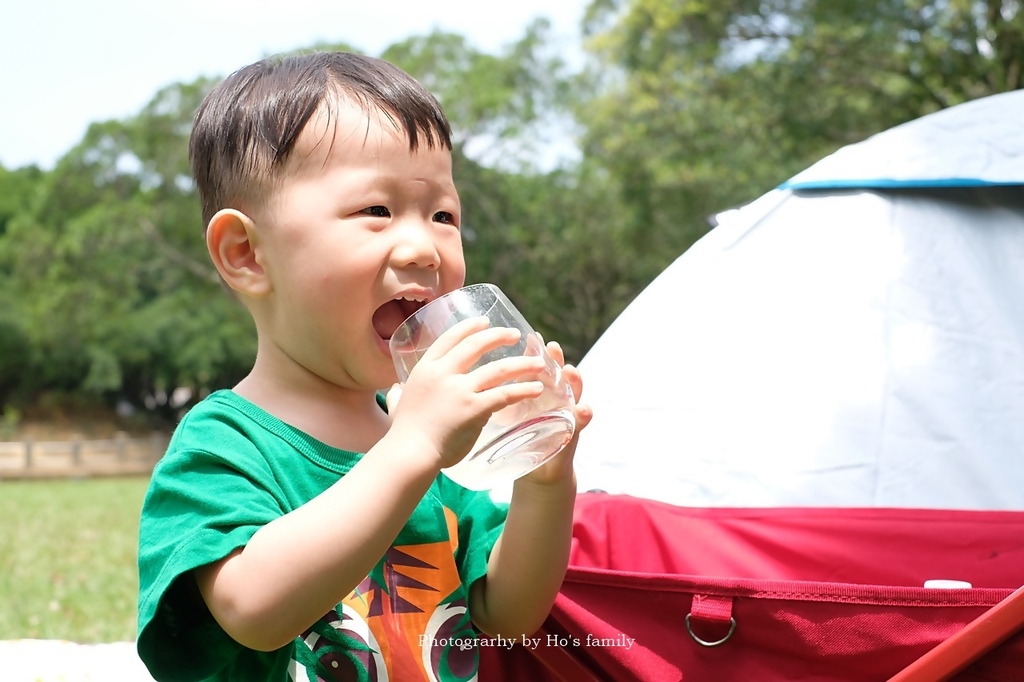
column 518, row 438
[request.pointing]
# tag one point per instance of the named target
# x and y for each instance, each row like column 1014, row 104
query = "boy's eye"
column 444, row 217
column 378, row 211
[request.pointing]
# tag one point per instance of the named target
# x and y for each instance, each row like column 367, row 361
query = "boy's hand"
column 560, row 467
column 445, row 405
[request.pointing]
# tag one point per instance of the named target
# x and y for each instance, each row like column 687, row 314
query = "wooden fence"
column 116, row 456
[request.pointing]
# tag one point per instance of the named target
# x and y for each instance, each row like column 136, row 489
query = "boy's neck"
column 342, row 418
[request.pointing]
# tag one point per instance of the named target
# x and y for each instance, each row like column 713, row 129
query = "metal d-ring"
column 704, row 642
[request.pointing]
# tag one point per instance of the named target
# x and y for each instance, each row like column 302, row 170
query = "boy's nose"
column 415, row 246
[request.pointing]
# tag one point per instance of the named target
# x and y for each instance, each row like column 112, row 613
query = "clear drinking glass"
column 518, row 438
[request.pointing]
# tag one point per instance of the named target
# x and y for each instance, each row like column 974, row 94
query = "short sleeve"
column 198, row 509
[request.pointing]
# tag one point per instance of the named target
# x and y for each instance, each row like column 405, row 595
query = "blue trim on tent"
column 880, row 183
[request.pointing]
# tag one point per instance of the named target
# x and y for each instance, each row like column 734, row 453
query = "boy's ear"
column 233, row 243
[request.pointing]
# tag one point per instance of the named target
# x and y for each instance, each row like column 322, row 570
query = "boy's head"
column 247, row 126
column 327, row 190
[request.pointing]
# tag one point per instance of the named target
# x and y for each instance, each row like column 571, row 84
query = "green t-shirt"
column 231, row 468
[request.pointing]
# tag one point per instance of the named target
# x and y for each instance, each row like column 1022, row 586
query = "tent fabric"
column 845, row 347
column 977, row 143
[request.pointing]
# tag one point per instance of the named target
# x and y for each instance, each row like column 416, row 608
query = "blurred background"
column 592, row 142
column 585, row 166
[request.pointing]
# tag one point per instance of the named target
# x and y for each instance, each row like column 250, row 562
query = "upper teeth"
column 418, row 299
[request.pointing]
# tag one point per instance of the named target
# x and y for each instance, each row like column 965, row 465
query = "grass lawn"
column 67, row 558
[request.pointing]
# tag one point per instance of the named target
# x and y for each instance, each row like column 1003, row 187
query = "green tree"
column 17, row 191
column 111, row 270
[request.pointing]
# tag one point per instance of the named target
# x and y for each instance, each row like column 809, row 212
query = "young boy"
column 270, row 547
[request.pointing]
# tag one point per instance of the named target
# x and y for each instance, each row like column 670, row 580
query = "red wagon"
column 657, row 592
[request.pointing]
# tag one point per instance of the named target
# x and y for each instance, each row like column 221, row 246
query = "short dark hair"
column 247, row 125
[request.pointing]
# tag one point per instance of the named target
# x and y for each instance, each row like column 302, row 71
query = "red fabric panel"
column 868, row 546
column 817, row 594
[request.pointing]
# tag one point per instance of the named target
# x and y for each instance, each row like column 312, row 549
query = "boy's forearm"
column 528, row 563
column 299, row 566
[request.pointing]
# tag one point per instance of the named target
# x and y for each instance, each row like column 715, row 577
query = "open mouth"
column 388, row 317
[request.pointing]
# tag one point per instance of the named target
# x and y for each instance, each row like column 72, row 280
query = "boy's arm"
column 528, row 563
column 300, row 565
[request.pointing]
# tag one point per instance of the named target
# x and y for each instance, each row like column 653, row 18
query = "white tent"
column 852, row 338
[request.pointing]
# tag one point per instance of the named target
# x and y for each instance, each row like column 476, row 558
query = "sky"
column 67, row 63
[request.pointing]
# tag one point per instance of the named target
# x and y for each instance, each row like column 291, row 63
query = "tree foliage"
column 110, row 271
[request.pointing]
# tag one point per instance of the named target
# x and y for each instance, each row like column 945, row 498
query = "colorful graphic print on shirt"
column 408, row 620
